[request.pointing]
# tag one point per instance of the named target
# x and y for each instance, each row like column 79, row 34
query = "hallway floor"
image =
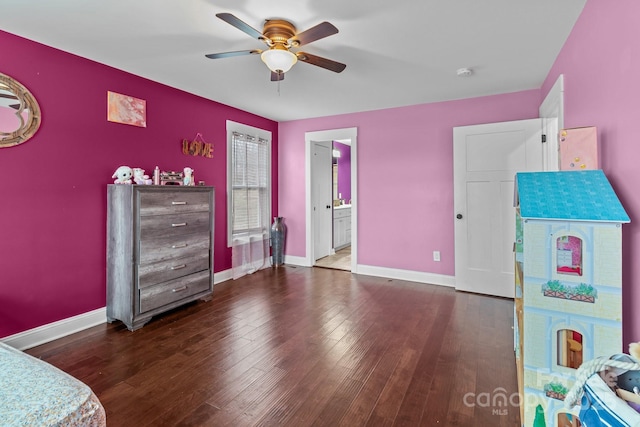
column 340, row 261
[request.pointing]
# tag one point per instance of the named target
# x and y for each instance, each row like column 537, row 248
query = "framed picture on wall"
column 126, row 109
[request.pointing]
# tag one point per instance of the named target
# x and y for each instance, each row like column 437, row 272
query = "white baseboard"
column 391, row 273
column 53, row 331
column 297, row 260
column 222, row 276
column 411, row 276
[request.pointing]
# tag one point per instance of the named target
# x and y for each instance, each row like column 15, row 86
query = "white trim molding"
column 222, row 276
column 408, row 275
column 52, row 331
column 390, row 273
column 232, row 127
column 551, row 111
column 297, row 260
column 350, row 134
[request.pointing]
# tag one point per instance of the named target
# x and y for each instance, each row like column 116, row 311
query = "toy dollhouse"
column 568, row 305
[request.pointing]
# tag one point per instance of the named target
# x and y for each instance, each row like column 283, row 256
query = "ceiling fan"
column 280, row 36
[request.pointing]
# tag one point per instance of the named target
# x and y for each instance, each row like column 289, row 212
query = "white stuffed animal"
column 122, row 175
column 188, row 176
column 140, row 178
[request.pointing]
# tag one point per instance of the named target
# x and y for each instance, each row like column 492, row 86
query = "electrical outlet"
column 436, row 255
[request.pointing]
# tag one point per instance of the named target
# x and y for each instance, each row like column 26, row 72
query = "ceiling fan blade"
column 233, row 53
column 241, row 25
column 277, row 77
column 319, row 61
column 320, row 31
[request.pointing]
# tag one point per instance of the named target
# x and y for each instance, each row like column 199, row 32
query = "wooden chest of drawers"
column 159, row 249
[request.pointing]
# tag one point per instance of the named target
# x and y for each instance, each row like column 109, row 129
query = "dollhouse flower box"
column 583, row 298
column 581, row 292
column 555, row 294
column 555, row 395
column 555, row 391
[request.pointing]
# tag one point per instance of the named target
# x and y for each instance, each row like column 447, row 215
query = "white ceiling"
column 398, row 53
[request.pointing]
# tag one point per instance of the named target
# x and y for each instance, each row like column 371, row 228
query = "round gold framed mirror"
column 19, row 112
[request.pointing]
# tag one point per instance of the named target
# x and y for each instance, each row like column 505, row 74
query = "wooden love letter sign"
column 197, row 147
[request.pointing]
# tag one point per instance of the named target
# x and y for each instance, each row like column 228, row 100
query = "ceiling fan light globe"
column 278, row 60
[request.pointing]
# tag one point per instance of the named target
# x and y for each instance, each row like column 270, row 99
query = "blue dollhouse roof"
column 568, row 195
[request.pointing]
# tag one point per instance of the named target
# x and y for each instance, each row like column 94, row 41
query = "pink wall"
column 405, row 177
column 53, row 195
column 52, row 231
column 600, row 63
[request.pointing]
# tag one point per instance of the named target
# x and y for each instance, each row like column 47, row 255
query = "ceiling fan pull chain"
column 280, row 75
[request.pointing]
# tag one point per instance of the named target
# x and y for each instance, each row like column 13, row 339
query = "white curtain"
column 251, row 203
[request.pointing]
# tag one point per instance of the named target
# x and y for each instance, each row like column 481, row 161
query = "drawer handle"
column 178, row 267
column 179, row 224
column 183, row 245
column 183, row 288
column 178, row 203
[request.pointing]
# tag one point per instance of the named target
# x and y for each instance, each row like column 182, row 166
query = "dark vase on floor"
column 277, row 242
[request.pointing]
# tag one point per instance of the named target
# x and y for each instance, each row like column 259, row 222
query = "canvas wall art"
column 126, row 109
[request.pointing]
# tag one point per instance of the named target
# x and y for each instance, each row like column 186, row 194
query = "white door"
column 552, row 113
column 322, row 199
column 485, row 161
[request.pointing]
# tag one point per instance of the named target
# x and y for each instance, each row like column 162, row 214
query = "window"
column 569, row 348
column 569, row 255
column 248, row 181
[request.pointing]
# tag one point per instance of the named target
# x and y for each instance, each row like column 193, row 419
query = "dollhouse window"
column 569, row 255
column 569, row 348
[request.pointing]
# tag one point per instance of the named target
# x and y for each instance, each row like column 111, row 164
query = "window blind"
column 249, row 197
column 250, row 184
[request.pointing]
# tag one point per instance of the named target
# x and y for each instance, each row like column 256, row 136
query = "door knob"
column 328, row 206
column 459, row 216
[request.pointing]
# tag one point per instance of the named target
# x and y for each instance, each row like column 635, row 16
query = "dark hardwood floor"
column 305, row 347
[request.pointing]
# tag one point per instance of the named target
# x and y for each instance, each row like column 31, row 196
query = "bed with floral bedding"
column 35, row 393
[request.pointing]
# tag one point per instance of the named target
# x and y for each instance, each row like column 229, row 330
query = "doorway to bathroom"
column 331, row 205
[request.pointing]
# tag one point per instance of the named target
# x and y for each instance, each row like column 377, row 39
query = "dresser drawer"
column 154, row 249
column 174, row 290
column 154, row 273
column 341, row 213
column 170, row 202
column 174, row 225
